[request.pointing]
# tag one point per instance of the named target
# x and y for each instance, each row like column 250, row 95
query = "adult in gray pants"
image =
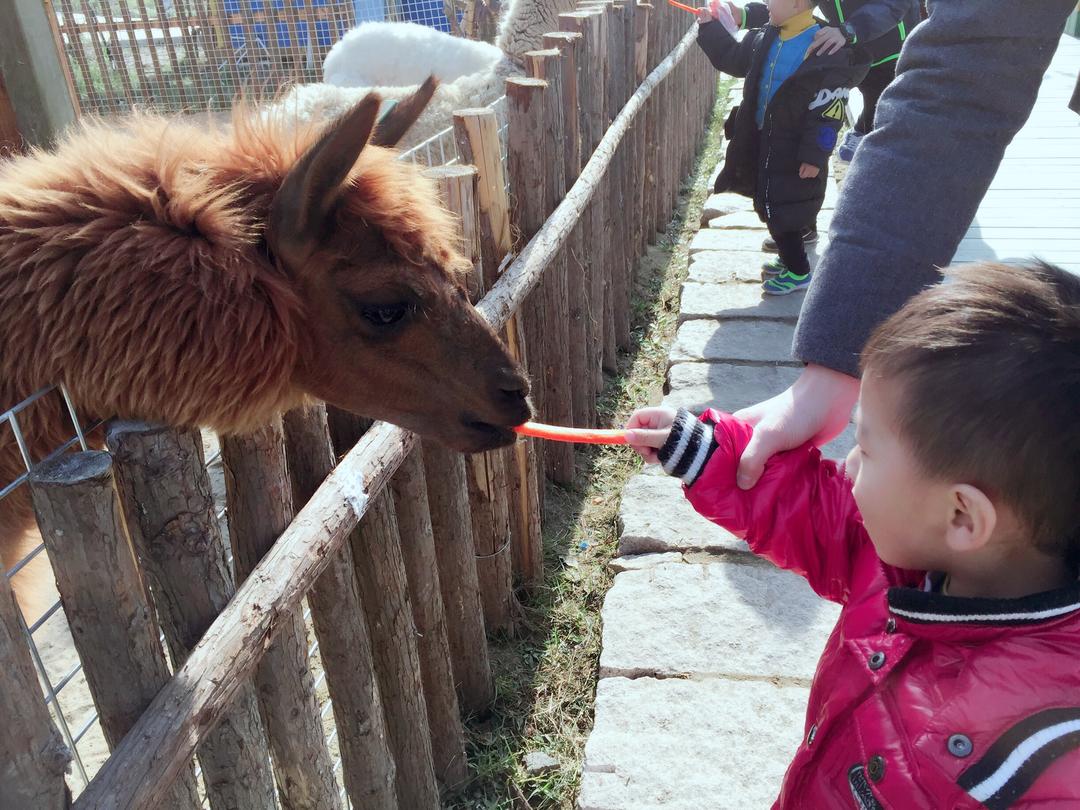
column 966, row 81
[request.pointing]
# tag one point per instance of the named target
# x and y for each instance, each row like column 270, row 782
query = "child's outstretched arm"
column 727, row 54
column 801, row 515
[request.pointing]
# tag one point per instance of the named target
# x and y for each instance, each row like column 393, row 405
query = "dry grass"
column 546, row 677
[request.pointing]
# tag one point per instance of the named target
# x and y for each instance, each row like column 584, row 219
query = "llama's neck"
column 132, row 269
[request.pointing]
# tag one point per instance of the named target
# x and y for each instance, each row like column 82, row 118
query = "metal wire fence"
column 197, row 55
column 51, row 646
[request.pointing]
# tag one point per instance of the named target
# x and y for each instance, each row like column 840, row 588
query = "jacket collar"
column 922, row 607
column 794, row 26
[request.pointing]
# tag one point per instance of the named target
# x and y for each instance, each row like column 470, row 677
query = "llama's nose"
column 512, row 387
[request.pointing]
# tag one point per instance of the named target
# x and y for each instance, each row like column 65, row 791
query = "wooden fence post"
column 384, row 591
column 104, row 597
column 524, row 122
column 380, row 570
column 578, row 285
column 34, row 756
column 259, row 497
column 451, row 523
column 639, row 159
column 429, row 616
column 555, row 334
column 589, row 23
column 337, row 616
column 168, row 506
column 477, row 133
column 524, row 163
column 486, row 472
column 652, row 134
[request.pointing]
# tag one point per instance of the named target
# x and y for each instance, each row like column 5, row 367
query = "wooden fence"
column 407, row 554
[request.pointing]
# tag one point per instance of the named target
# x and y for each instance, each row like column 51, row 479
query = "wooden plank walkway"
column 1033, row 206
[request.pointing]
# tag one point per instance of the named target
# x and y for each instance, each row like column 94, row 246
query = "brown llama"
column 192, row 276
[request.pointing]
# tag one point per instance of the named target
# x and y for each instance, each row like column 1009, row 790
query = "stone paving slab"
column 735, row 301
column 728, row 387
column 713, row 239
column 727, row 620
column 719, row 204
column 749, row 220
column 690, row 745
column 720, row 266
column 636, row 562
column 654, row 516
column 745, row 341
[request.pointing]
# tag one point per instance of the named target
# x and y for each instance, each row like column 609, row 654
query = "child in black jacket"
column 781, row 135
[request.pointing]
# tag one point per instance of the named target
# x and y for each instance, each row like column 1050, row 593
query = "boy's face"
column 904, row 512
column 780, row 11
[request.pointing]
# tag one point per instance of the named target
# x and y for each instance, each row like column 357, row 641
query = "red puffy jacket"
column 920, row 700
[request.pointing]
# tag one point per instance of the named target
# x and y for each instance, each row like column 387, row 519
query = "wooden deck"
column 1033, row 206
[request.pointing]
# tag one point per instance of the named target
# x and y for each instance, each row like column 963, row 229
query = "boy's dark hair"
column 989, row 364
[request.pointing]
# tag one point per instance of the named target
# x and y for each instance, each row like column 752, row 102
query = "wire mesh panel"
column 195, row 55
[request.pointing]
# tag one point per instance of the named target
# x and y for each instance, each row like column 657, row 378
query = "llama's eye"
column 384, row 314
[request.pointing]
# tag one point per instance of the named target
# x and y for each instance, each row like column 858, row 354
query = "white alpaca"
column 394, row 58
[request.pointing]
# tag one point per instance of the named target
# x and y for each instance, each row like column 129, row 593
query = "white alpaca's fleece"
column 524, row 23
column 392, row 59
column 386, row 54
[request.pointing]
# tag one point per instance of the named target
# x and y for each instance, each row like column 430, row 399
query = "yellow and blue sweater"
column 785, row 55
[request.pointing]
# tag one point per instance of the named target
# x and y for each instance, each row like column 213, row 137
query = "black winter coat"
column 881, row 26
column 801, row 124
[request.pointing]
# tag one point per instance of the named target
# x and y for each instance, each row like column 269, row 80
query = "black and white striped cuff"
column 687, row 448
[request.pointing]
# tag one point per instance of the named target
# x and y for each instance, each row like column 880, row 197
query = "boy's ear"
column 972, row 520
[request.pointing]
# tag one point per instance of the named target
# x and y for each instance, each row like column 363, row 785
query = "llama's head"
column 390, row 332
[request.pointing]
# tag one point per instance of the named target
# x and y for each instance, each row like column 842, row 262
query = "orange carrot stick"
column 683, row 7
column 565, row 434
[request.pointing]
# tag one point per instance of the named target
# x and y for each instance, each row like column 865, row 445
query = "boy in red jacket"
column 951, row 536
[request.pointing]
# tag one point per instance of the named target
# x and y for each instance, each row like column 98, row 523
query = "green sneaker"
column 785, row 283
column 774, row 267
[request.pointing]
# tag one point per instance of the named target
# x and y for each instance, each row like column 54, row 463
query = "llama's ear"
column 396, row 122
column 302, row 207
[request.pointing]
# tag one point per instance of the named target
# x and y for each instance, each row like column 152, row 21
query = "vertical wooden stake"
column 477, row 133
column 451, row 523
column 582, row 393
column 34, row 756
column 104, row 597
column 589, row 23
column 384, row 592
column 486, row 471
column 558, row 456
column 259, row 496
column 380, row 571
column 429, row 616
column 337, row 616
column 169, row 508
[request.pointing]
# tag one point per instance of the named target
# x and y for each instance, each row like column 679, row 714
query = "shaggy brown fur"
column 138, row 267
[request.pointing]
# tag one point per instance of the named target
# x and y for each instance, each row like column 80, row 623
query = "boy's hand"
column 704, row 15
column 807, row 171
column 647, row 430
column 826, row 41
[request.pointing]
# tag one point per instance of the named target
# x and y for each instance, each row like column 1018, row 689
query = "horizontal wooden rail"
column 160, row 744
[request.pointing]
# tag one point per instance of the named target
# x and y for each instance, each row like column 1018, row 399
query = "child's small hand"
column 808, row 171
column 826, row 41
column 704, row 15
column 647, row 430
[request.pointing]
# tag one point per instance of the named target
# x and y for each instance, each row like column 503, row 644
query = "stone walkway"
column 708, row 652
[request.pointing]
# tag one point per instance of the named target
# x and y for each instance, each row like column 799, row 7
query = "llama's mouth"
column 483, row 436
